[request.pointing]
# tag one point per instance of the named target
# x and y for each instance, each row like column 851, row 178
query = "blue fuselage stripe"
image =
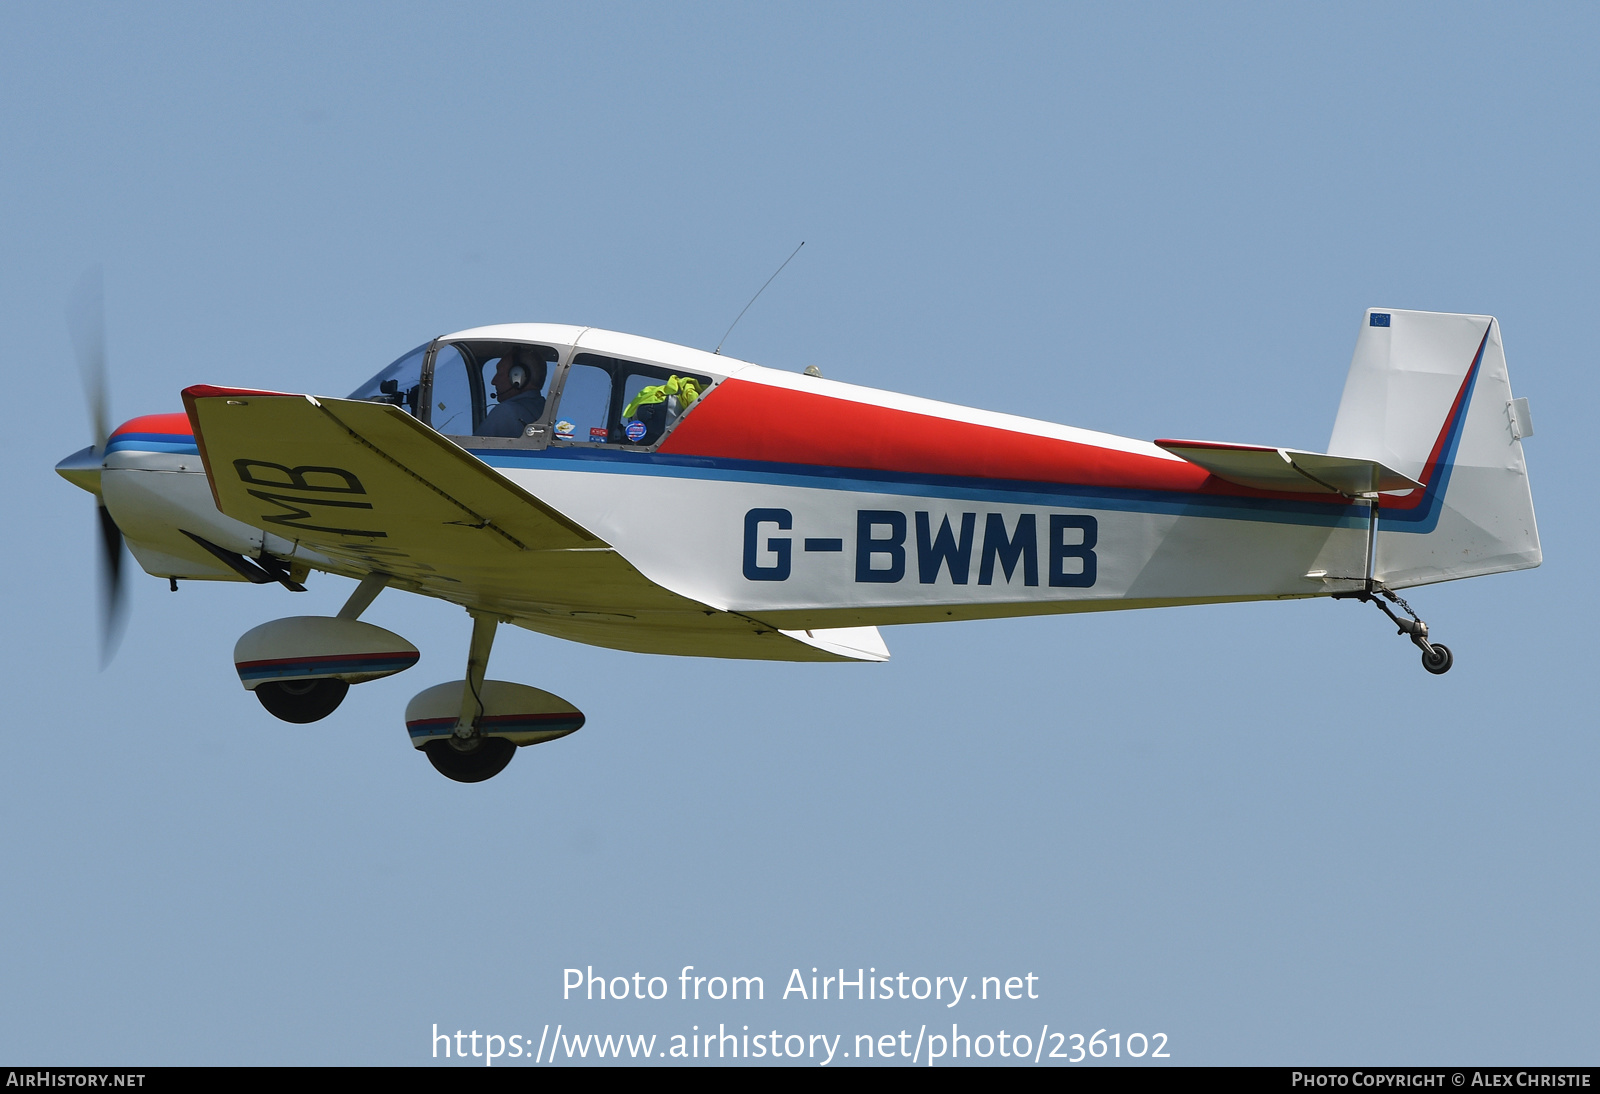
column 152, row 442
column 1061, row 495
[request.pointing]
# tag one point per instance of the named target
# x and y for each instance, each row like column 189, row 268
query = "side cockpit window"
column 585, row 409
column 651, row 403
column 453, row 404
column 605, row 400
column 490, row 389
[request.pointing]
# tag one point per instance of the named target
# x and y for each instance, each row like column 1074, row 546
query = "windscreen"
column 400, row 383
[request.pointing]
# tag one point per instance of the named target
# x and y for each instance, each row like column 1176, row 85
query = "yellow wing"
column 374, row 490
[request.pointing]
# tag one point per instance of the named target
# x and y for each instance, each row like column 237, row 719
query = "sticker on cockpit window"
column 565, row 428
column 635, row 431
column 597, row 434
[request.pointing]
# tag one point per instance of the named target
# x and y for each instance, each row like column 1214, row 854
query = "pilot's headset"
column 519, row 371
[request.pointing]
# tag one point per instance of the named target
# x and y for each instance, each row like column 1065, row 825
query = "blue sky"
column 1259, row 829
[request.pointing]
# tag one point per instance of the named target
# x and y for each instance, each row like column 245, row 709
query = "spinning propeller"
column 86, row 319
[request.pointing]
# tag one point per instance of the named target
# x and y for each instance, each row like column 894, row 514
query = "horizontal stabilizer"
column 1287, row 469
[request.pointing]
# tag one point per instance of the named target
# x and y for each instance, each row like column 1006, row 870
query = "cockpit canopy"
column 507, row 391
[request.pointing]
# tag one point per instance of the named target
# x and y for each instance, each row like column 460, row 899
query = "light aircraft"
column 629, row 493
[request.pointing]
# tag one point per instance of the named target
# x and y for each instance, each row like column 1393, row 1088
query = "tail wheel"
column 1439, row 660
column 484, row 758
column 302, row 701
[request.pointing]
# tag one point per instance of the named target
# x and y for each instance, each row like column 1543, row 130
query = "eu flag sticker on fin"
column 1380, row 319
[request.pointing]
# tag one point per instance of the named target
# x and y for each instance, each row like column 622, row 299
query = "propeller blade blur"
column 86, row 319
column 113, row 594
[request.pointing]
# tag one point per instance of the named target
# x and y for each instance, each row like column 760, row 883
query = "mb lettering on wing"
column 316, row 481
column 884, row 538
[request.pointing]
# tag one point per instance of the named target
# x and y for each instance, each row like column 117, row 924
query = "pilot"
column 518, row 385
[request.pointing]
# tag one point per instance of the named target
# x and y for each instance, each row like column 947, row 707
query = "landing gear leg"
column 364, row 594
column 1436, row 657
column 483, row 628
column 466, row 755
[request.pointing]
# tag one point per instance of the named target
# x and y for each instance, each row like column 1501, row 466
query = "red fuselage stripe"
column 749, row 421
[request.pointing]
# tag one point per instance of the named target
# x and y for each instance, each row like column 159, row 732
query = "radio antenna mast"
column 759, row 291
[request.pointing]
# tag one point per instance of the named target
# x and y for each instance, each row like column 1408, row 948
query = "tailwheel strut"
column 1436, row 657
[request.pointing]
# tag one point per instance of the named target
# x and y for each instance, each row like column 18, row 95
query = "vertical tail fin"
column 1428, row 395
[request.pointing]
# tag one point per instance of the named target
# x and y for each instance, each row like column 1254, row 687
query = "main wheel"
column 302, row 700
column 485, row 759
column 1439, row 661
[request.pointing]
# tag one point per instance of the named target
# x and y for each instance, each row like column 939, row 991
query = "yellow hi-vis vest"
column 683, row 387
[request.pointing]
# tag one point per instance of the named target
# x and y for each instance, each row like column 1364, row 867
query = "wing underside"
column 370, row 488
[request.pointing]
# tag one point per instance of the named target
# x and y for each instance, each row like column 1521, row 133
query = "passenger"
column 519, row 390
